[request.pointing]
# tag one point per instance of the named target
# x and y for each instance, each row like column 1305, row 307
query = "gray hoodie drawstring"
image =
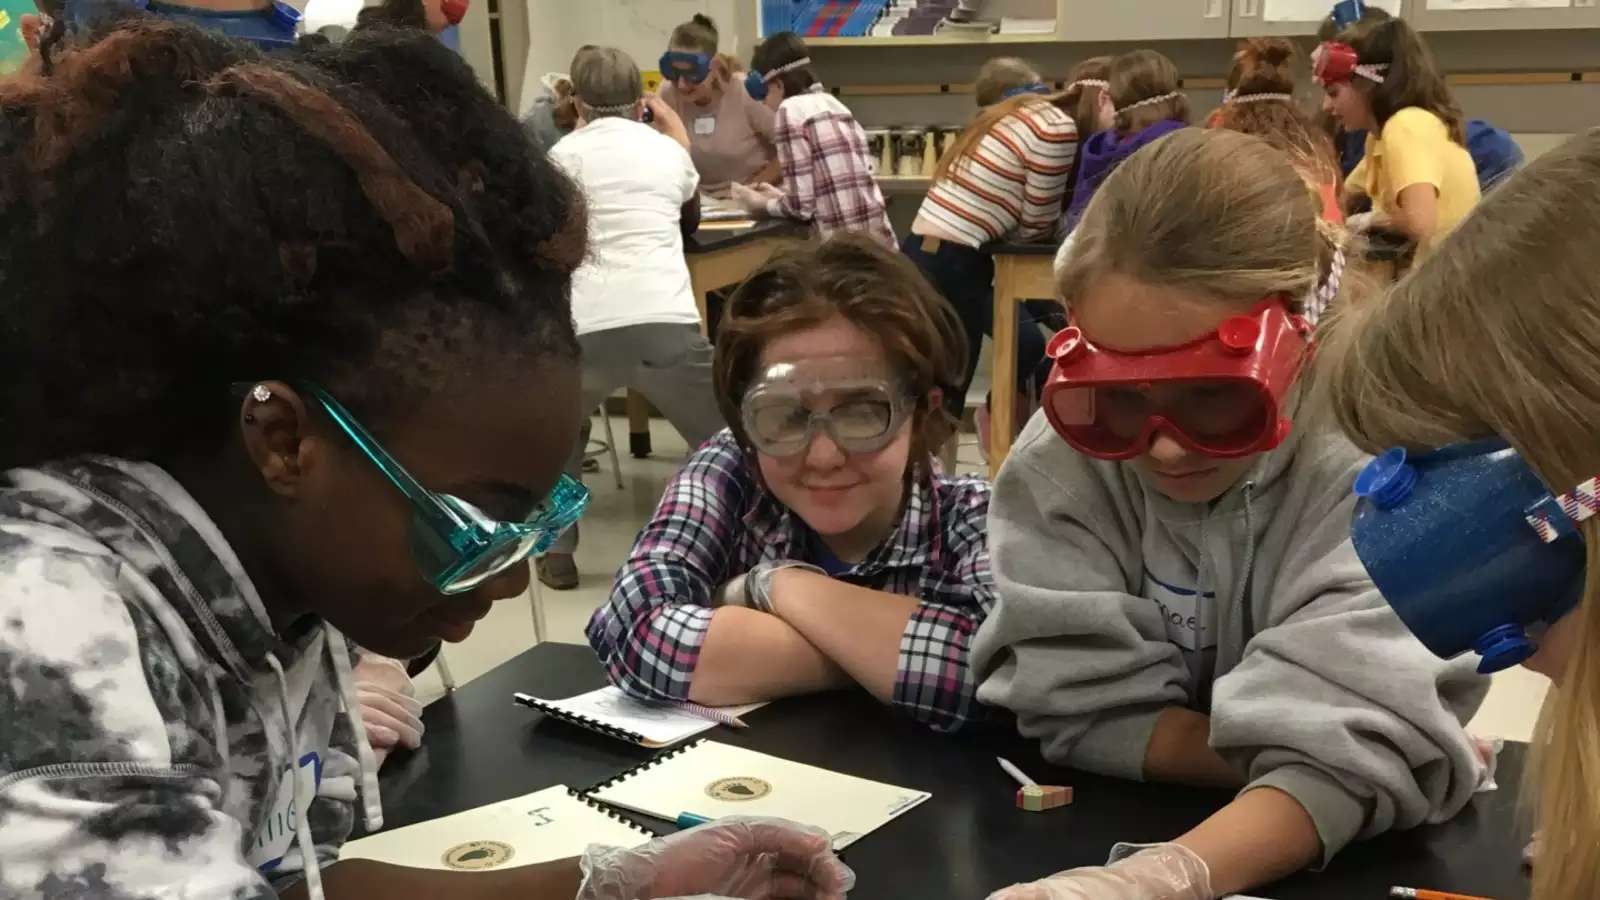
column 1242, row 599
column 371, row 800
column 302, row 805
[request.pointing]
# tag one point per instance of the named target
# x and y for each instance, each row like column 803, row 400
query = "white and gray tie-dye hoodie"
column 149, row 712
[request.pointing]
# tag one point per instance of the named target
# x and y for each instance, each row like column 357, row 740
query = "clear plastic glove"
column 754, row 199
column 743, row 858
column 389, row 708
column 1159, row 872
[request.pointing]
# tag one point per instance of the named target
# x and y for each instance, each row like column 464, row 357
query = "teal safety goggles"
column 456, row 545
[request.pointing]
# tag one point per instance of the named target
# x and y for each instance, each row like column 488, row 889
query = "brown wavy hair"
column 1268, row 66
column 1140, row 75
column 874, row 288
column 1412, row 79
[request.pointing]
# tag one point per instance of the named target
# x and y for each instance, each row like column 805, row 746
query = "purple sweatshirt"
column 1099, row 157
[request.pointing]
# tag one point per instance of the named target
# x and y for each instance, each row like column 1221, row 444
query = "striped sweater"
column 1010, row 185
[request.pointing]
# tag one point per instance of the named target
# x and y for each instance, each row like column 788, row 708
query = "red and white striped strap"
column 1583, row 503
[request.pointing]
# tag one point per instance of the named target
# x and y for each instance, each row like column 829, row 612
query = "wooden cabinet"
column 1255, row 18
column 1581, row 14
column 1142, row 20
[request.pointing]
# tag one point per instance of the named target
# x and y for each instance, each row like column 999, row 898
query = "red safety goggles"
column 454, row 10
column 1221, row 395
column 1336, row 63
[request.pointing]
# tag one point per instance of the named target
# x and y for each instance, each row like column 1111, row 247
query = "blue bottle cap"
column 1387, row 481
column 1502, row 648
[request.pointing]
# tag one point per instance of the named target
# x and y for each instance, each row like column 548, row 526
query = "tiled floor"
column 616, row 515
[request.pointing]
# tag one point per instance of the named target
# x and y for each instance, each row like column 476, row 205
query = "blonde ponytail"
column 1498, row 332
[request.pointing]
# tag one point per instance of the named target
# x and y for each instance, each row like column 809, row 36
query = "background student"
column 1260, row 101
column 815, row 545
column 730, row 132
column 1004, row 179
column 1004, row 77
column 195, row 515
column 1143, row 86
column 1395, row 374
column 1179, row 599
column 631, row 300
column 554, row 113
column 1495, row 154
column 826, row 169
column 1380, row 78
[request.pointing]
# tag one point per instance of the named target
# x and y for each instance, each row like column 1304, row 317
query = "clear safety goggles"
column 1221, row 395
column 860, row 407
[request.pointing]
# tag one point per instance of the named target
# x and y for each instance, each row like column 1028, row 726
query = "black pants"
column 966, row 279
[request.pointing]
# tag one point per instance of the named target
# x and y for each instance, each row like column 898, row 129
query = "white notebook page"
column 712, row 779
column 540, row 827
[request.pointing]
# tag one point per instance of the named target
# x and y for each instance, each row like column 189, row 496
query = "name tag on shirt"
column 705, row 124
column 277, row 829
column 1189, row 614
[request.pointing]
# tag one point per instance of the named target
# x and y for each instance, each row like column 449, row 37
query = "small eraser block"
column 1038, row 798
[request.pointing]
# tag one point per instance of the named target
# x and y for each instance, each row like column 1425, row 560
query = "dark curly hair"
column 395, row 14
column 184, row 214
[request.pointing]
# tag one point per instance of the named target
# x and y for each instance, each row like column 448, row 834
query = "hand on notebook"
column 1160, row 872
column 743, row 858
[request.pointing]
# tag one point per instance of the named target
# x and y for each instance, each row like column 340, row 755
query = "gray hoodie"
column 1116, row 602
column 150, row 714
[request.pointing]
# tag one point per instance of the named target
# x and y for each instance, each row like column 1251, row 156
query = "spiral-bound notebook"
column 610, row 712
column 556, row 823
column 712, row 779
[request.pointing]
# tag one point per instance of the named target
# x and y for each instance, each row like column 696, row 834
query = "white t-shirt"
column 636, row 181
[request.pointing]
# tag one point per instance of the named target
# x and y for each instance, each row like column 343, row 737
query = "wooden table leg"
column 638, row 425
column 1003, row 370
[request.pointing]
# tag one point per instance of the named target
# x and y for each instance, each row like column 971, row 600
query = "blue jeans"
column 965, row 277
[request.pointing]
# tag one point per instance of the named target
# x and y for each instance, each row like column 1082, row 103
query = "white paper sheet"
column 660, row 726
column 712, row 779
column 1312, row 10
column 1456, row 5
column 540, row 827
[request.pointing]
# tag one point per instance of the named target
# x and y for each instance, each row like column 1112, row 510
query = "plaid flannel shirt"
column 827, row 178
column 716, row 522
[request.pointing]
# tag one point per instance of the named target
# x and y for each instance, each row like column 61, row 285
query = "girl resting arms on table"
column 815, row 544
column 315, row 294
column 1179, row 598
column 1487, row 355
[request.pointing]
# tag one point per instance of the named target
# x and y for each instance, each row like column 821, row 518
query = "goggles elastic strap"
column 1373, row 73
column 786, row 67
column 1324, row 295
column 1038, row 87
column 1258, row 98
column 1582, row 504
column 1151, row 101
column 613, row 109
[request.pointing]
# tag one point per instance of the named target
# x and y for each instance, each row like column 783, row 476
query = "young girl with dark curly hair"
column 291, row 358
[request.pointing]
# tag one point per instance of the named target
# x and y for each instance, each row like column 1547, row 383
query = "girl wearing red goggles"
column 1171, row 542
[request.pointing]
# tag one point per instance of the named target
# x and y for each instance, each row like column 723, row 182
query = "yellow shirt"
column 1415, row 148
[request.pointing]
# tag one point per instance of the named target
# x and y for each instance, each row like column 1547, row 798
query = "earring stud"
column 261, row 393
